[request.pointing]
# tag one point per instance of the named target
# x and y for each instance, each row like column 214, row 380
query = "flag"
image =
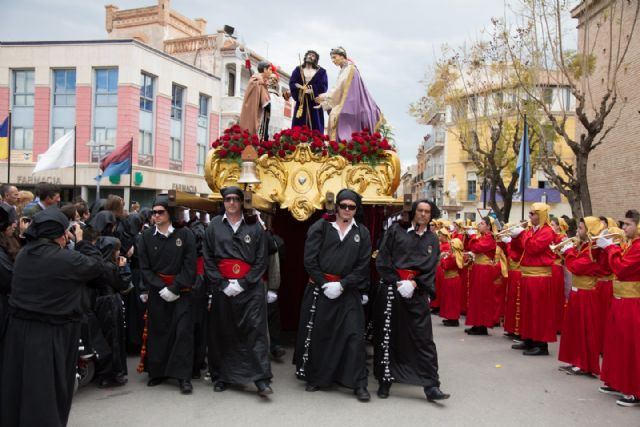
column 118, row 162
column 4, row 139
column 524, row 159
column 59, row 155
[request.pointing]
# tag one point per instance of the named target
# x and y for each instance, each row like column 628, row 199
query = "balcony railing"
column 434, row 143
column 434, row 171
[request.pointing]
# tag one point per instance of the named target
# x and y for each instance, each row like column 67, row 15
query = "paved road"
column 491, row 385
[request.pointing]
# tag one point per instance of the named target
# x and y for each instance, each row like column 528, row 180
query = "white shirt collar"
column 335, row 225
column 414, row 230
column 233, row 226
column 169, row 231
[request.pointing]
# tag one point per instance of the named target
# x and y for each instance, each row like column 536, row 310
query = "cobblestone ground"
column 491, row 385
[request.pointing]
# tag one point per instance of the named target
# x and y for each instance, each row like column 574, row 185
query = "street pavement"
column 491, row 385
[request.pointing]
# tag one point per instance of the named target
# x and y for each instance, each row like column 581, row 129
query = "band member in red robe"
column 621, row 359
column 451, row 263
column 513, row 292
column 459, row 233
column 538, row 327
column 481, row 310
column 582, row 329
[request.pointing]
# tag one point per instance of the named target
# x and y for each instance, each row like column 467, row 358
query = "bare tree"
column 538, row 44
column 485, row 102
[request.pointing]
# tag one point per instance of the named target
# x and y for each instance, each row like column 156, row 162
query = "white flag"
column 59, row 155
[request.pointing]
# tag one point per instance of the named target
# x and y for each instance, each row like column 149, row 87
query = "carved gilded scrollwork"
column 300, row 181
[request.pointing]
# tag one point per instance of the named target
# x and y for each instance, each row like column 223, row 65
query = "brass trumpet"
column 617, row 236
column 555, row 248
column 507, row 231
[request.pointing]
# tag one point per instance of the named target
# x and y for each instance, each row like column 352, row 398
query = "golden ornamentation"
column 300, row 181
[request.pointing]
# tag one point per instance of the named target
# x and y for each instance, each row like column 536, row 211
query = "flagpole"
column 131, row 172
column 9, row 149
column 75, row 159
column 523, row 171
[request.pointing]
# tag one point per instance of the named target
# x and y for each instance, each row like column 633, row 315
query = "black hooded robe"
column 238, row 334
column 330, row 347
column 170, row 324
column 40, row 346
column 404, row 350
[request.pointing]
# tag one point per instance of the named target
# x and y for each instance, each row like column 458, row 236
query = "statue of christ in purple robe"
column 306, row 83
column 352, row 109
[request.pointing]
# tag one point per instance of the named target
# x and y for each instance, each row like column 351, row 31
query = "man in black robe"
column 330, row 347
column 199, row 296
column 167, row 258
column 235, row 259
column 403, row 338
column 40, row 344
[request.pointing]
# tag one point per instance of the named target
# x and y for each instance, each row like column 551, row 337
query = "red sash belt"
column 200, row 266
column 331, row 277
column 407, row 274
column 233, row 268
column 167, row 278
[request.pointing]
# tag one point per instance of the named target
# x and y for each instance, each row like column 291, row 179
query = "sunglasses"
column 346, row 207
column 232, row 199
column 158, row 212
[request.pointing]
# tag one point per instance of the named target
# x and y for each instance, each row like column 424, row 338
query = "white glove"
column 603, row 243
column 365, row 299
column 167, row 295
column 144, row 298
column 566, row 247
column 405, row 288
column 516, row 231
column 472, row 232
column 332, row 289
column 506, row 239
column 233, row 288
column 271, row 297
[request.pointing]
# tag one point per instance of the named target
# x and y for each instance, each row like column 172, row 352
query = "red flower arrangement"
column 285, row 142
column 363, row 147
column 233, row 141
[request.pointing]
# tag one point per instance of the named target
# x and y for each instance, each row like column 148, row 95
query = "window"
column 176, row 149
column 176, row 102
column 146, row 92
column 201, row 158
column 146, row 143
column 471, row 186
column 23, row 88
column 204, row 106
column 106, row 139
column 22, row 139
column 107, row 87
column 231, row 87
column 59, row 133
column 203, row 133
column 64, row 88
column 547, row 95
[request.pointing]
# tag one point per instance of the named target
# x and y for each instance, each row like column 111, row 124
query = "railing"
column 434, row 170
column 432, row 143
column 190, row 44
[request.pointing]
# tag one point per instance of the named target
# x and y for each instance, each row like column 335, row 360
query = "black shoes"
column 311, row 388
column 219, row 386
column 263, row 388
column 521, row 346
column 185, row 386
column 434, row 393
column 477, row 330
column 383, row 389
column 451, row 322
column 109, row 382
column 362, row 394
column 538, row 349
column 155, row 381
column 277, row 352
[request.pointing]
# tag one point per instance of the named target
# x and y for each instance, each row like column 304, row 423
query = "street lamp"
column 98, row 146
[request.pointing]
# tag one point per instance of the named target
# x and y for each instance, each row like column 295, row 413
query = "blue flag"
column 524, row 159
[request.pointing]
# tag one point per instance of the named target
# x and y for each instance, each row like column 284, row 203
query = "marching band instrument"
column 507, row 231
column 555, row 248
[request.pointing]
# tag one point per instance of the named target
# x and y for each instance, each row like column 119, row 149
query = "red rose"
column 226, row 131
column 350, row 145
column 226, row 144
column 377, row 135
column 270, row 153
column 260, row 151
column 226, row 138
column 364, row 149
column 215, row 144
column 358, row 158
column 295, row 137
column 367, row 138
column 236, row 149
column 325, row 152
column 255, row 143
column 373, row 143
column 222, row 153
column 281, row 153
column 365, row 130
column 296, row 129
column 246, row 142
column 236, row 137
column 303, row 139
column 236, row 128
column 349, row 157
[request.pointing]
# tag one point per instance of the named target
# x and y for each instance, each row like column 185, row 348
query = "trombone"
column 574, row 240
column 507, row 230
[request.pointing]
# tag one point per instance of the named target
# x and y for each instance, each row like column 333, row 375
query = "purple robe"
column 358, row 111
column 319, row 83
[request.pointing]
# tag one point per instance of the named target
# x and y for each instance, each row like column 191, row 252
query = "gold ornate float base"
column 300, row 181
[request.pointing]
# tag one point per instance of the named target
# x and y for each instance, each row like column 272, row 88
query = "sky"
column 393, row 42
